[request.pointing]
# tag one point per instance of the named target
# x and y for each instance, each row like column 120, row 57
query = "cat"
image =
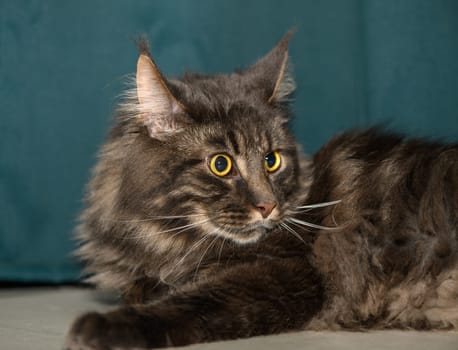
column 206, row 216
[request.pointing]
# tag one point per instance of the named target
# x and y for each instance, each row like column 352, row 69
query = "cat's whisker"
column 308, row 211
column 182, row 259
column 309, row 224
column 180, row 229
column 193, row 247
column 153, row 218
column 334, row 219
column 318, row 205
column 185, row 227
column 300, row 226
column 203, row 255
column 300, row 211
column 221, row 249
column 293, row 232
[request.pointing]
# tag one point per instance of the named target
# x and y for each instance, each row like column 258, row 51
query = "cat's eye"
column 220, row 164
column 272, row 161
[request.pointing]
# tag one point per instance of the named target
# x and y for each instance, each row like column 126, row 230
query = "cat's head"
column 210, row 155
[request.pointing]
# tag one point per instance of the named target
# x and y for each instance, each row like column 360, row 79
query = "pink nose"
column 265, row 208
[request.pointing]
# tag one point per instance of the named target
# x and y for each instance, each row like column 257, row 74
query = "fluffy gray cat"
column 207, row 218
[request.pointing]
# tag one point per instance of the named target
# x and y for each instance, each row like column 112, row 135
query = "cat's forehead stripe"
column 233, row 142
column 242, row 167
column 218, row 141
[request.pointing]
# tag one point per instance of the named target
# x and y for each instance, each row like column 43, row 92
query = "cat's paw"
column 116, row 330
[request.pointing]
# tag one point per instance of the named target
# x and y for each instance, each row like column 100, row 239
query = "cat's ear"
column 158, row 109
column 272, row 73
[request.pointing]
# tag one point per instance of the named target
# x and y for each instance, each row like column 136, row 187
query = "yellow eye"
column 220, row 164
column 272, row 161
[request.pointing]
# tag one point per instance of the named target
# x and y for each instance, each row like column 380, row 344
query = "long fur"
column 361, row 235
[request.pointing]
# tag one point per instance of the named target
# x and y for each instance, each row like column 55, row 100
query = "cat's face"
column 248, row 176
column 213, row 155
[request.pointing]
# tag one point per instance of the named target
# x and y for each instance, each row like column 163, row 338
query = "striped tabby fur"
column 361, row 235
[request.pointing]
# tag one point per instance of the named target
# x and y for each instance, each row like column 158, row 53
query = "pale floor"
column 38, row 318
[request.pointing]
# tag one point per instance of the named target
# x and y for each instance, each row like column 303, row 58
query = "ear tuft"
column 143, row 45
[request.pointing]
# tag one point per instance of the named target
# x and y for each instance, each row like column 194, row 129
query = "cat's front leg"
column 253, row 299
column 124, row 328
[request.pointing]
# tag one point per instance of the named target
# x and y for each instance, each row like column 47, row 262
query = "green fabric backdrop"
column 61, row 66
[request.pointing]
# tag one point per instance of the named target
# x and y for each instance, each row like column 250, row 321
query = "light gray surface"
column 38, row 318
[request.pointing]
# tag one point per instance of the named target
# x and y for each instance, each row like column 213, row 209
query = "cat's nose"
column 265, row 208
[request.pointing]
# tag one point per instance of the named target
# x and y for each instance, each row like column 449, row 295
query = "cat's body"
column 393, row 260
column 205, row 216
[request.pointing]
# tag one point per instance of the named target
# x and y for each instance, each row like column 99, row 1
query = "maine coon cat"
column 207, row 218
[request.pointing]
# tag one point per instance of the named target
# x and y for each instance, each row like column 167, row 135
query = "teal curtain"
column 62, row 64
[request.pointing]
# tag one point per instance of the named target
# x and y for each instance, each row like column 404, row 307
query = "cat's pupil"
column 270, row 160
column 221, row 164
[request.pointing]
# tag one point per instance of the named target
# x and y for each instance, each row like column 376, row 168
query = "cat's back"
column 366, row 164
column 393, row 258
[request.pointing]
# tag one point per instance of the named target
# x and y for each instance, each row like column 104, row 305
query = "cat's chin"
column 247, row 235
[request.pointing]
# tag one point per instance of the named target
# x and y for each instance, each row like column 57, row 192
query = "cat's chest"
column 217, row 256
